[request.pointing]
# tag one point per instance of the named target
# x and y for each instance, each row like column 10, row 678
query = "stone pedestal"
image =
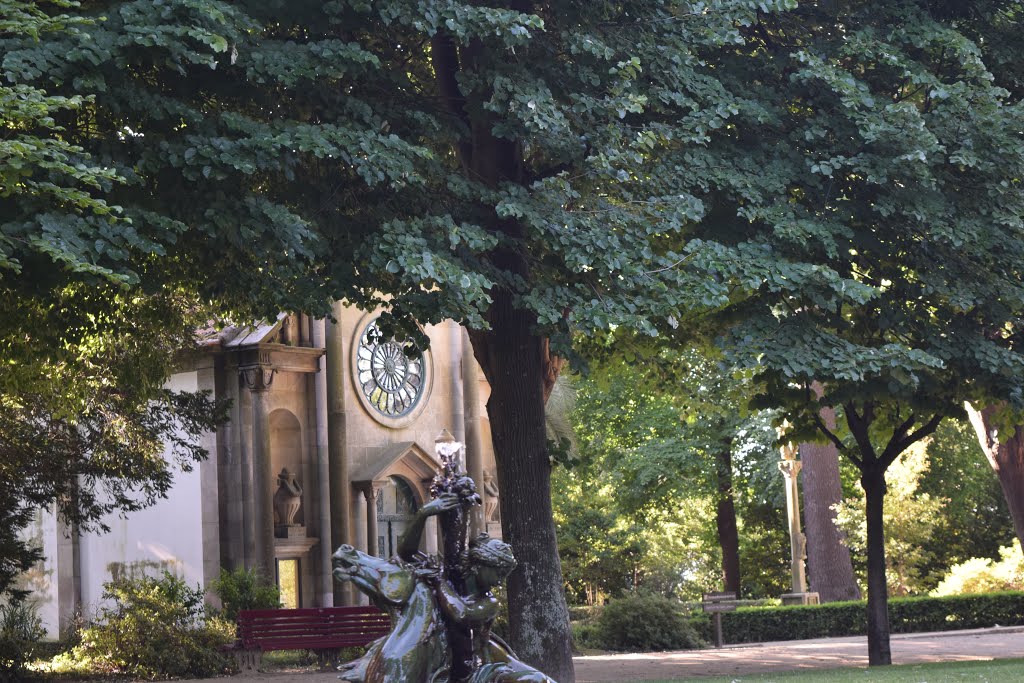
column 290, row 531
column 800, row 599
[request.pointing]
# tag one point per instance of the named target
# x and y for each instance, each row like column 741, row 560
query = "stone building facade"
column 331, row 440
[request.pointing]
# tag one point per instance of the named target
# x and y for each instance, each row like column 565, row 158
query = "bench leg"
column 327, row 659
column 248, row 661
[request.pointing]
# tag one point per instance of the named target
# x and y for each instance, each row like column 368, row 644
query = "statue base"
column 800, row 599
column 289, row 531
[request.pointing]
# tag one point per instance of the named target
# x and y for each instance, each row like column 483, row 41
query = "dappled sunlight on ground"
column 827, row 653
column 742, row 660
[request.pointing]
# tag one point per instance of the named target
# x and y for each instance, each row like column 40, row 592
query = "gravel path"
column 825, row 653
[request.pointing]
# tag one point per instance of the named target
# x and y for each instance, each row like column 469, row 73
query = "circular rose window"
column 390, row 381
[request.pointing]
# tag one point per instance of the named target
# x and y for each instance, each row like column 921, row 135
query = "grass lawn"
column 1001, row 671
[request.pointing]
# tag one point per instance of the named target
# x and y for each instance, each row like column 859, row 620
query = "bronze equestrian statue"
column 441, row 613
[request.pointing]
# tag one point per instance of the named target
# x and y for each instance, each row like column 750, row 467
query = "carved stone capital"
column 790, row 468
column 257, row 378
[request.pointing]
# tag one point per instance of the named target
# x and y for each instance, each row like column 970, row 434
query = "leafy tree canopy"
column 893, row 159
column 447, row 159
column 84, row 418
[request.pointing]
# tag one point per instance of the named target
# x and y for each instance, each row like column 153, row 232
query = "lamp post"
column 447, row 448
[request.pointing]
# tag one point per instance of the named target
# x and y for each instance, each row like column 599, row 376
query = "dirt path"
column 826, row 653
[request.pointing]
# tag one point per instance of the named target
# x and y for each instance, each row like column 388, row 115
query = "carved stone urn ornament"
column 287, row 498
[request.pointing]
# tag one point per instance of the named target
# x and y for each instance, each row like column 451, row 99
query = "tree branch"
column 823, row 428
column 859, row 428
column 927, row 429
column 445, row 56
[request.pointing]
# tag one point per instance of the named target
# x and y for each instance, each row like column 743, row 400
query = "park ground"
column 745, row 660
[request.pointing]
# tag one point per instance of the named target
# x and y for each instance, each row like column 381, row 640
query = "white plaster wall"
column 41, row 580
column 167, row 535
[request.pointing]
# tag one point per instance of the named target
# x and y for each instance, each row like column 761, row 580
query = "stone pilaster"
column 258, row 379
column 245, row 474
column 361, row 532
column 323, row 469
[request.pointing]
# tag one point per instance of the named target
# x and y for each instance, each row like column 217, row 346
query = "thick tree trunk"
column 514, row 360
column 1006, row 456
column 828, row 558
column 725, row 519
column 873, row 481
column 521, row 371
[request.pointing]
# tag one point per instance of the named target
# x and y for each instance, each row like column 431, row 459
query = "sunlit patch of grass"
column 1000, row 671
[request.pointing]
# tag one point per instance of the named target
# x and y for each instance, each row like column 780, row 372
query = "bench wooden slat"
column 326, row 624
column 311, row 628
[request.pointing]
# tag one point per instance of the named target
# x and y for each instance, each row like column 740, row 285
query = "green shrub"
column 584, row 612
column 982, row 575
column 20, row 632
column 641, row 622
column 240, row 589
column 700, row 622
column 906, row 615
column 584, row 635
column 155, row 628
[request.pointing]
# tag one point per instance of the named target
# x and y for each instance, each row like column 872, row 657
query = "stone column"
column 430, row 536
column 361, row 522
column 456, row 347
column 474, row 432
column 371, row 521
column 69, row 575
column 341, row 488
column 248, row 528
column 323, row 469
column 360, row 537
column 790, row 468
column 259, row 378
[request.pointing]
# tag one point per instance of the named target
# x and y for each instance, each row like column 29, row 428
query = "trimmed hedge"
column 906, row 615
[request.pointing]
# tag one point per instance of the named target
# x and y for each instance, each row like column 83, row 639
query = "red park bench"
column 321, row 629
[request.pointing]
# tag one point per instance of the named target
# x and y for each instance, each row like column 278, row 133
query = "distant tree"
column 975, row 522
column 912, row 520
column 891, row 159
column 671, row 433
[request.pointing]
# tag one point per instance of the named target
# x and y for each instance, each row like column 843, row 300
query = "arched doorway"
column 396, row 508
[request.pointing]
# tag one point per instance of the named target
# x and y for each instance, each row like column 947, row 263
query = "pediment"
column 405, row 458
column 263, row 332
